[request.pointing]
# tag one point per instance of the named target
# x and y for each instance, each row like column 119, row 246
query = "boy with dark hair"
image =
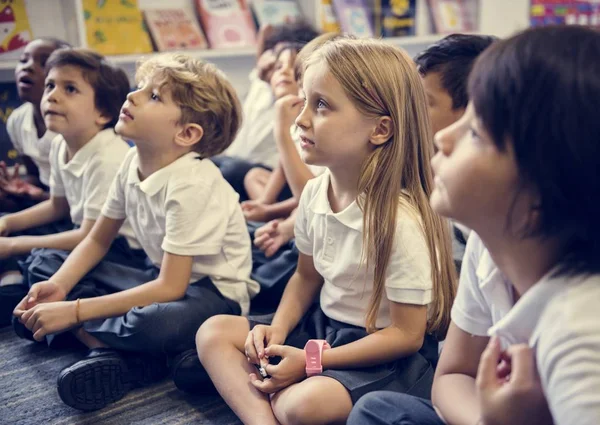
column 445, row 67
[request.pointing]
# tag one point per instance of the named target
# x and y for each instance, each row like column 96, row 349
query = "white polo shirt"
column 334, row 240
column 558, row 317
column 86, row 179
column 255, row 141
column 187, row 208
column 23, row 135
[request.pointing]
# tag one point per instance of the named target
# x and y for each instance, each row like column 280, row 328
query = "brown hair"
column 110, row 83
column 204, row 95
column 382, row 80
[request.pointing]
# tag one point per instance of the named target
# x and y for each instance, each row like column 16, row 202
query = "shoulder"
column 198, row 179
column 21, row 113
column 112, row 149
column 314, row 187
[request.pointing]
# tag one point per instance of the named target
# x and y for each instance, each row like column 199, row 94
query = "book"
column 395, row 18
column 175, row 29
column 569, row 12
column 15, row 30
column 329, row 22
column 107, row 20
column 276, row 12
column 227, row 23
column 451, row 16
column 354, row 17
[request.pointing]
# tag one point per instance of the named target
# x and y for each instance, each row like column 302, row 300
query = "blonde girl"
column 370, row 247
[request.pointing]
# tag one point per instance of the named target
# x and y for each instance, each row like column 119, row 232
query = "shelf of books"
column 225, row 31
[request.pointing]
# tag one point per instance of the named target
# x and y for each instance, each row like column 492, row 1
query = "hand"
column 49, row 318
column 265, row 65
column 258, row 338
column 509, row 388
column 41, row 292
column 4, row 229
column 287, row 110
column 290, row 370
column 14, row 185
column 7, row 247
column 255, row 211
column 272, row 236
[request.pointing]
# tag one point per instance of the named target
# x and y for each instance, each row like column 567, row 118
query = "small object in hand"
column 262, row 371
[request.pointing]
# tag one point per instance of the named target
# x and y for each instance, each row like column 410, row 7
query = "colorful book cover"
column 9, row 101
column 354, row 17
column 107, row 20
column 329, row 22
column 395, row 18
column 227, row 23
column 569, row 12
column 276, row 12
column 451, row 16
column 175, row 29
column 15, row 31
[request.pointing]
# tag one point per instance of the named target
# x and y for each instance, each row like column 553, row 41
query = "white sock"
column 11, row 279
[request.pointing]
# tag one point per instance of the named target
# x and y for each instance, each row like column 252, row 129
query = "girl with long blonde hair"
column 370, row 247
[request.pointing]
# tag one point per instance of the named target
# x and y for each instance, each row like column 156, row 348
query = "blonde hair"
column 204, row 95
column 382, row 80
column 309, row 48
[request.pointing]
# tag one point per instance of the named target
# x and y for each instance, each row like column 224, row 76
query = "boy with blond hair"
column 188, row 222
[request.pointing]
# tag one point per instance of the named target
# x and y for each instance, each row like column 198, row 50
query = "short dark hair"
column 110, row 83
column 539, row 92
column 453, row 57
column 58, row 43
column 299, row 32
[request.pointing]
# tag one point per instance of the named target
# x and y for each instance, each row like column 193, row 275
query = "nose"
column 445, row 139
column 51, row 95
column 132, row 96
column 303, row 118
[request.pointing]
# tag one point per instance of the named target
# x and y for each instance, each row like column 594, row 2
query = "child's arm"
column 454, row 394
column 274, row 186
column 296, row 171
column 54, row 209
column 254, row 211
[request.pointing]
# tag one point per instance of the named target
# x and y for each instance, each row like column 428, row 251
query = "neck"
column 523, row 261
column 38, row 120
column 78, row 141
column 343, row 189
column 150, row 160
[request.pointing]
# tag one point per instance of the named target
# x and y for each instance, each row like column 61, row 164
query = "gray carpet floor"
column 28, row 395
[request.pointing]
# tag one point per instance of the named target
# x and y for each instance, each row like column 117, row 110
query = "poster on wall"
column 15, row 31
column 565, row 12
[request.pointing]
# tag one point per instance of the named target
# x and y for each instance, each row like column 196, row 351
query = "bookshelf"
column 64, row 19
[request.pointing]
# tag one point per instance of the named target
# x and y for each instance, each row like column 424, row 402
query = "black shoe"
column 105, row 376
column 10, row 296
column 189, row 374
column 21, row 330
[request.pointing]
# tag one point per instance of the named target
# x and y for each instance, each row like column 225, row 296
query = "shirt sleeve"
column 470, row 311
column 114, row 206
column 197, row 216
column 408, row 276
column 57, row 188
column 97, row 183
column 11, row 129
column 568, row 357
column 303, row 240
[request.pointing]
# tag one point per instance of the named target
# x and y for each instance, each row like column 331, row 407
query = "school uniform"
column 185, row 208
column 557, row 317
column 23, row 135
column 334, row 241
column 84, row 181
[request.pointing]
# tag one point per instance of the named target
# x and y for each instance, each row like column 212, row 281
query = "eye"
column 155, row 96
column 321, row 104
column 22, row 59
column 474, row 135
column 71, row 89
column 49, row 86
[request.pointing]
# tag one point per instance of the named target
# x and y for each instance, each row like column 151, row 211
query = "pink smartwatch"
column 313, row 351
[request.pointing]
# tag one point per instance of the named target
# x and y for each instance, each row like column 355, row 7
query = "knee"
column 300, row 409
column 251, row 176
column 215, row 331
column 364, row 409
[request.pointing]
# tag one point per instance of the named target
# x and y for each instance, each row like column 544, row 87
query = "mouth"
column 50, row 113
column 125, row 114
column 305, row 142
column 283, row 83
column 25, row 81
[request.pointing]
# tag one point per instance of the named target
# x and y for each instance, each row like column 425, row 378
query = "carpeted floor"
column 28, row 395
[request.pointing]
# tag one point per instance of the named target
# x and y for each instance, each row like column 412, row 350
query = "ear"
column 102, row 120
column 189, row 135
column 383, row 131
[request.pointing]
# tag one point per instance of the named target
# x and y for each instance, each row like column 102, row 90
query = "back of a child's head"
column 298, row 32
column 453, row 58
column 537, row 94
column 382, row 80
column 110, row 83
column 204, row 94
